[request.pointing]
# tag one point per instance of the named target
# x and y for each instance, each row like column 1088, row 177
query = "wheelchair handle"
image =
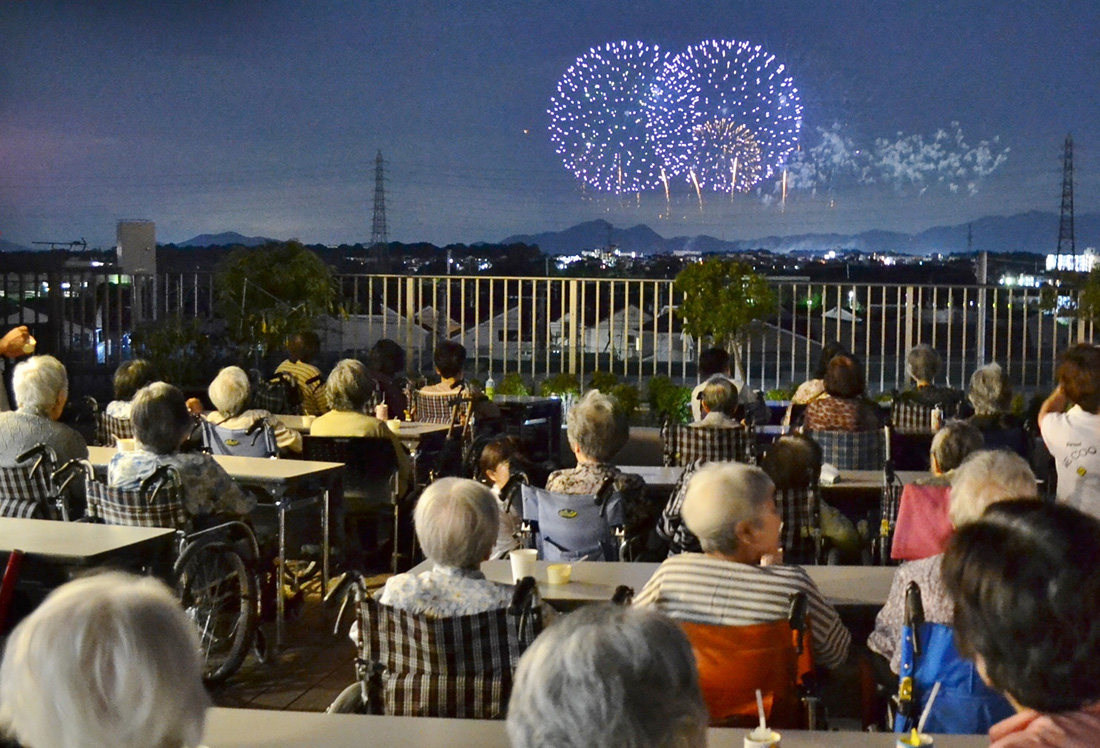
column 624, row 595
column 914, row 613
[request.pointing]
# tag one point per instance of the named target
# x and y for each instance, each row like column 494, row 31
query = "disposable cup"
column 925, row 740
column 382, row 412
column 394, row 424
column 559, row 573
column 755, row 740
column 126, row 445
column 523, row 563
column 28, row 347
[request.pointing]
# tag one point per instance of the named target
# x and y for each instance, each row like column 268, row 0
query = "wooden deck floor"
column 313, row 668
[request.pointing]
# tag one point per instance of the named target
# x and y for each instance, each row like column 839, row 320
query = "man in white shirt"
column 1073, row 436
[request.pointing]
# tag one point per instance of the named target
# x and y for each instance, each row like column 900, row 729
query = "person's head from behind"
column 730, row 508
column 829, row 351
column 449, row 359
column 41, row 386
column 160, row 417
column 793, row 462
column 719, row 395
column 923, row 363
column 844, row 378
column 1026, row 588
column 386, row 357
column 952, row 444
column 131, row 376
column 608, row 676
column 986, row 477
column 497, row 456
column 1079, row 376
column 349, row 386
column 714, row 361
column 456, row 522
column 990, row 392
column 230, row 390
column 107, row 661
column 596, row 428
column 303, row 346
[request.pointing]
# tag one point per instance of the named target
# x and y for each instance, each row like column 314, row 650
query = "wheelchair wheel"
column 350, row 701
column 218, row 592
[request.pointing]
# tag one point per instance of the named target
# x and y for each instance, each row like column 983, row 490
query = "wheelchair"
column 214, row 573
column 37, row 487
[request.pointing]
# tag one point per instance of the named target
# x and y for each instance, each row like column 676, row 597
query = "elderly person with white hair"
column 349, row 387
column 597, row 430
column 719, row 404
column 41, row 388
column 731, row 509
column 986, row 477
column 923, row 364
column 608, row 676
column 990, row 394
column 230, row 392
column 456, row 524
column 161, row 424
column 107, row 661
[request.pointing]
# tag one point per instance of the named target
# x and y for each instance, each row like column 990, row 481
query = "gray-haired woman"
column 41, row 390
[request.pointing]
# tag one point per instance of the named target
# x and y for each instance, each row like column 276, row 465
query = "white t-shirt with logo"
column 1073, row 439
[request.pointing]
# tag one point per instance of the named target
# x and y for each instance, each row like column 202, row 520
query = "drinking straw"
column 760, row 708
column 928, row 708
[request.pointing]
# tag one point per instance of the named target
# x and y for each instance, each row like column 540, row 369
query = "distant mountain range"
column 225, row 239
column 1035, row 232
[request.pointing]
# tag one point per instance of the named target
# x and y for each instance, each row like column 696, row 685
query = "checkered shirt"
column 852, row 450
column 686, row 444
column 25, row 493
column 459, row 667
column 116, row 506
column 108, row 427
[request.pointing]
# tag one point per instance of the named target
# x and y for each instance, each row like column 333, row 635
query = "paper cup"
column 752, row 740
column 125, row 445
column 523, row 563
column 558, row 573
column 382, row 412
column 28, row 347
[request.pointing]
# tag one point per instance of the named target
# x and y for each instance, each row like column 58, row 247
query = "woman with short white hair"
column 41, row 388
column 456, row 524
column 730, row 508
column 597, row 430
column 986, row 477
column 990, row 393
column 107, row 661
column 608, row 676
column 230, row 393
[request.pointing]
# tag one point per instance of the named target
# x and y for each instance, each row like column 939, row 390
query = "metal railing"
column 539, row 327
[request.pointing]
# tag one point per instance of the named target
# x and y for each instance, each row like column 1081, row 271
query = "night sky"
column 264, row 117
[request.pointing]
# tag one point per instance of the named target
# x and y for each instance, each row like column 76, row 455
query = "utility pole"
column 1066, row 240
column 379, row 235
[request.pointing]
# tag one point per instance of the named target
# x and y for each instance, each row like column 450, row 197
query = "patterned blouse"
column 828, row 413
column 640, row 515
column 207, row 488
column 445, row 592
column 938, row 608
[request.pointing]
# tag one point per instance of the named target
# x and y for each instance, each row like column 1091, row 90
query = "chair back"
column 109, row 428
column 852, row 450
column 277, row 394
column 735, row 661
column 27, row 489
column 569, row 527
column 801, row 512
column 435, row 407
column 964, row 704
column 684, row 444
column 370, row 466
column 461, row 667
column 157, row 503
column 258, row 440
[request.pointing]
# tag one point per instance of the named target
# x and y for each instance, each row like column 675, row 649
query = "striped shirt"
column 308, row 377
column 701, row 589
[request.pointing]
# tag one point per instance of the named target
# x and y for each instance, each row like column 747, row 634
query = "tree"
column 270, row 292
column 722, row 299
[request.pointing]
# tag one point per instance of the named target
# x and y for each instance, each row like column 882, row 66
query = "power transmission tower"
column 1066, row 242
column 378, row 233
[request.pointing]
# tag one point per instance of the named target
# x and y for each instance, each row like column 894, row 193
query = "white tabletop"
column 248, row 469
column 256, row 728
column 660, row 477
column 76, row 542
column 594, row 581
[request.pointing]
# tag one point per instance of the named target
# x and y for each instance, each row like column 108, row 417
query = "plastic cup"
column 756, row 739
column 559, row 573
column 382, row 412
column 523, row 563
column 125, row 445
